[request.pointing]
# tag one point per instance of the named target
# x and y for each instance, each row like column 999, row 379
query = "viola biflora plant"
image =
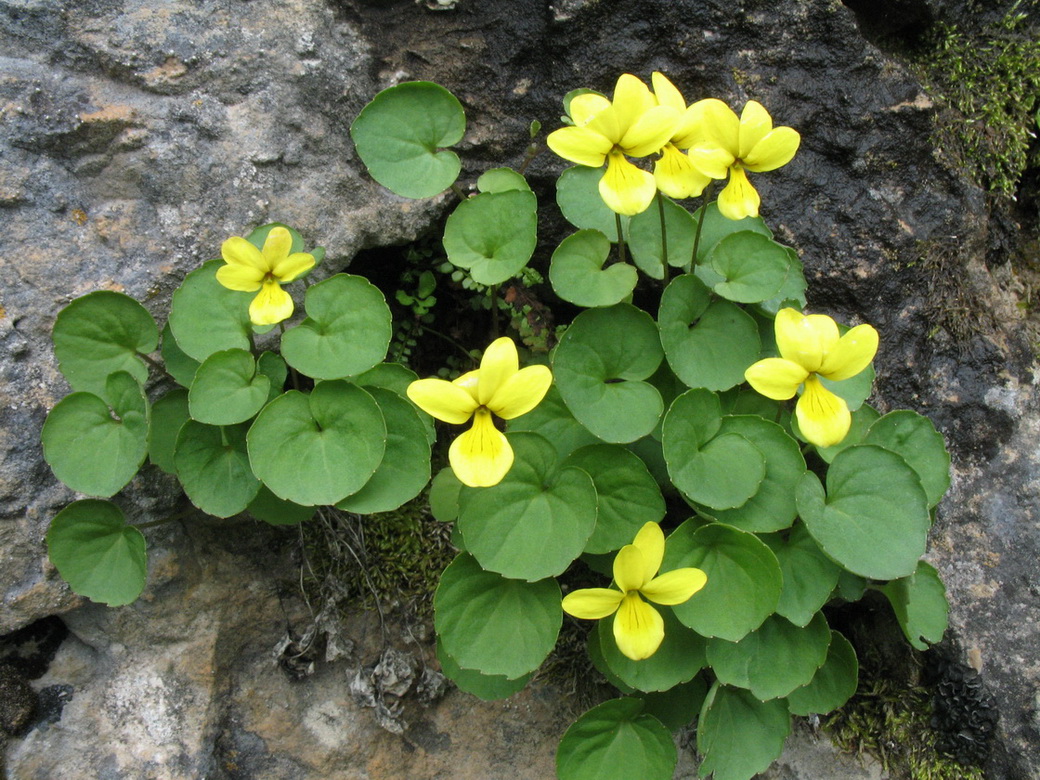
column 658, row 469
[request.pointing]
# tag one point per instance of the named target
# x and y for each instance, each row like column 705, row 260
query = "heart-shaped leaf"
column 680, row 656
column 207, row 317
column 646, row 245
column 809, row 575
column 616, row 740
column 738, row 735
column 488, row 687
column 577, row 273
column 920, row 605
column 228, row 389
column 577, row 194
column 493, row 234
column 169, row 413
column 213, row 466
column 833, row 684
column 399, row 136
column 916, row 441
column 753, row 267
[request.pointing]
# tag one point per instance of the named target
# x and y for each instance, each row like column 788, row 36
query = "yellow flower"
column 731, row 145
column 250, row 269
column 481, row 456
column 633, row 124
column 810, row 347
column 638, row 627
column 675, row 174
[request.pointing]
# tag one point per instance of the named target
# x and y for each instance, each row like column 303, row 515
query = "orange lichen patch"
column 118, row 114
column 79, row 216
column 171, row 70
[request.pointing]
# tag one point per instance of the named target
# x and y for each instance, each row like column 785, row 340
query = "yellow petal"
column 710, row 159
column 271, row 305
column 775, row 149
column 755, row 123
column 738, row 199
column 688, row 130
column 638, row 628
column 823, row 417
column 650, row 131
column 521, row 392
column 293, row 266
column 276, row 246
column 238, row 251
column 675, row 175
column 625, row 188
column 718, row 124
column 580, row 145
column 584, row 107
column 776, row 378
column 499, row 362
column 632, row 98
column 650, row 542
column 674, row 587
column 666, row 92
column 629, row 568
column 240, row 277
column 607, row 124
column 442, row 399
column 592, row 603
column 851, row 354
column 481, row 456
column 469, row 382
column 805, row 340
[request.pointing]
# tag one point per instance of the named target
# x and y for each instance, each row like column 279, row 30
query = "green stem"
column 533, row 150
column 620, row 238
column 446, row 338
column 664, row 240
column 700, row 222
column 493, row 291
column 458, row 191
column 152, row 362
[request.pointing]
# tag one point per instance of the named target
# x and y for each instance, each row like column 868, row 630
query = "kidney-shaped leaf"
column 399, row 136
column 753, row 267
column 100, row 334
column 97, row 553
column 577, row 273
column 616, row 740
column 488, row 687
column 493, row 234
column 495, row 625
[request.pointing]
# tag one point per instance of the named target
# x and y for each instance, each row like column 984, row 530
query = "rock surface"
column 136, row 135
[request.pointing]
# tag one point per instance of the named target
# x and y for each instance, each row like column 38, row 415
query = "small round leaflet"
column 616, row 740
column 495, row 625
column 100, row 334
column 346, row 331
column 577, row 273
column 318, row 448
column 400, row 137
column 97, row 553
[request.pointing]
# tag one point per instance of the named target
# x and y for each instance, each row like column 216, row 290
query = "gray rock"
column 135, row 137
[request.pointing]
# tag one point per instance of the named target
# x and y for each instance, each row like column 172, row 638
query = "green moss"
column 987, row 87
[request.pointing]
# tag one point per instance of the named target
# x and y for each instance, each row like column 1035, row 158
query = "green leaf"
column 774, row 659
column 833, row 684
column 862, row 419
column 809, row 575
column 754, row 267
column 274, row 368
column 96, row 447
column 169, row 413
column 578, row 276
column 228, row 389
column 276, row 511
column 678, row 659
column 178, row 365
column 394, row 376
column 628, row 496
column 444, row 496
column 494, row 625
column 346, row 331
column 718, row 469
column 97, row 553
column 855, row 390
column 405, row 468
column 600, row 366
column 677, row 707
column 493, row 235
column 772, row 507
column 744, row 580
column 738, row 735
column 577, row 194
column 488, row 687
column 793, row 291
column 400, row 134
column 536, row 521
column 213, row 467
column 708, row 343
column 873, row 518
column 920, row 605
column 619, row 741
column 644, row 237
column 916, row 441
column 502, row 180
column 318, row 448
column 206, row 317
column 553, row 420
column 100, row 334
column 717, row 227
